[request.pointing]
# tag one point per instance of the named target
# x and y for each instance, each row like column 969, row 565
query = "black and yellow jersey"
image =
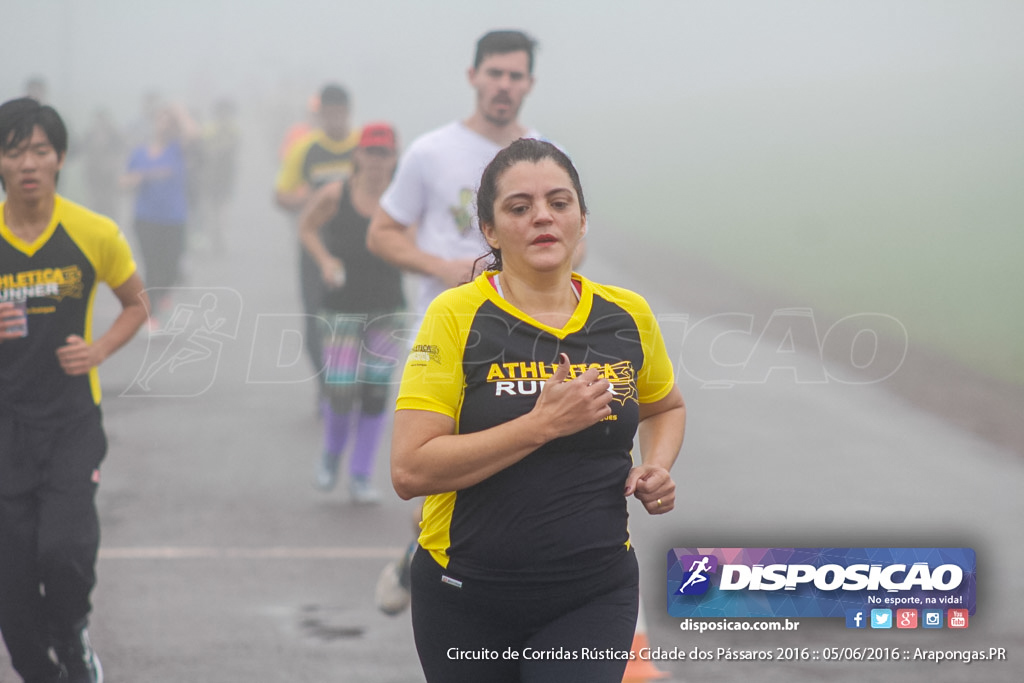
column 316, row 160
column 560, row 512
column 58, row 274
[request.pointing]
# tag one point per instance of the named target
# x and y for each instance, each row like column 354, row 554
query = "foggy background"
column 854, row 155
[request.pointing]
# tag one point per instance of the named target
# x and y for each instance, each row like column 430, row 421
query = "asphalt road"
column 220, row 563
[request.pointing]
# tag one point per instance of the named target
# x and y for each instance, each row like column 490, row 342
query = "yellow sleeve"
column 433, row 378
column 656, row 378
column 289, row 177
column 100, row 240
column 118, row 263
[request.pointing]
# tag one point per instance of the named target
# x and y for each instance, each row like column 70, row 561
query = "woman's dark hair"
column 523, row 149
column 18, row 118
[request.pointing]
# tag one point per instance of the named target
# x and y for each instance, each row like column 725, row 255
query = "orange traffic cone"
column 641, row 669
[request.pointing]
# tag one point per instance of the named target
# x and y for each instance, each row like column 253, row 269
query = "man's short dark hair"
column 333, row 94
column 503, row 42
column 19, row 117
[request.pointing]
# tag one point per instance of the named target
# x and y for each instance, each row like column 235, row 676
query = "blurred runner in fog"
column 102, row 155
column 361, row 299
column 53, row 256
column 157, row 172
column 220, row 144
column 35, row 88
column 195, row 176
column 323, row 156
column 140, row 130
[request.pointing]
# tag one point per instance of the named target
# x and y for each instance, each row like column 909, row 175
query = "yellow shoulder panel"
column 433, row 378
column 100, row 240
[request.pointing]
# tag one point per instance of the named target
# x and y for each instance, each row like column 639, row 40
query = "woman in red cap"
column 362, row 302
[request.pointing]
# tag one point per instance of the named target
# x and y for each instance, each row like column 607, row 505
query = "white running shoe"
column 326, row 475
column 362, row 491
column 80, row 660
column 391, row 596
column 393, row 584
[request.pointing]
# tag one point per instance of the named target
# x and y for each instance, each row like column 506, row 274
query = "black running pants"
column 552, row 633
column 49, row 534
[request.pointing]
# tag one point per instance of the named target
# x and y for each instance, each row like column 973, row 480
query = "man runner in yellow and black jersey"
column 53, row 256
column 322, row 156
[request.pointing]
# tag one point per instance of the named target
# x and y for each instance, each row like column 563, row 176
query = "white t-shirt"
column 435, row 188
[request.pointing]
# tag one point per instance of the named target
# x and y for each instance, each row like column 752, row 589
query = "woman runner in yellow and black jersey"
column 516, row 416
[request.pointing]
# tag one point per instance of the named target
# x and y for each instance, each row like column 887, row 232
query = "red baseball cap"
column 378, row 134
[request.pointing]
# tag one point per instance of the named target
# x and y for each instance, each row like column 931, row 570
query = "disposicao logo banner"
column 817, row 582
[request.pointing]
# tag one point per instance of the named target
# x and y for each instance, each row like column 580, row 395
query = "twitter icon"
column 881, row 618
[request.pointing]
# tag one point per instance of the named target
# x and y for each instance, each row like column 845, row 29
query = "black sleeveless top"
column 371, row 285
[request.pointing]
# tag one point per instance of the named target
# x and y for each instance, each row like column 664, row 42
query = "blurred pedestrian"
column 323, row 156
column 102, row 154
column 516, row 418
column 157, row 171
column 194, row 147
column 140, row 130
column 362, row 297
column 220, row 148
column 35, row 88
column 53, row 256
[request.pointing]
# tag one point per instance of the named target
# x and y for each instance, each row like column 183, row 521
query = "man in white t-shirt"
column 426, row 223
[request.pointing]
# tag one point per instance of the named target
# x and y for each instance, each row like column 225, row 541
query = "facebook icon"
column 856, row 618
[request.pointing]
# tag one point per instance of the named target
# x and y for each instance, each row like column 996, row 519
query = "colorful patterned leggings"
column 360, row 359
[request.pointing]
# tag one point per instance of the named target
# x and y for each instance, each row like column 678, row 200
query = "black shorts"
column 569, row 631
